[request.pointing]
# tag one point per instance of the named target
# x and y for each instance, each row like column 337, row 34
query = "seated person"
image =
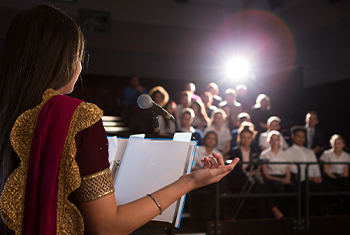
column 207, row 99
column 185, row 101
column 237, row 178
column 336, row 176
column 242, row 117
column 192, row 88
column 231, row 102
column 315, row 139
column 186, row 120
column 209, row 142
column 214, row 90
column 217, row 124
column 273, row 124
column 166, row 126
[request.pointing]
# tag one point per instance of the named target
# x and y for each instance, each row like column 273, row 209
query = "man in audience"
column 273, row 124
column 192, row 88
column 207, row 99
column 315, row 139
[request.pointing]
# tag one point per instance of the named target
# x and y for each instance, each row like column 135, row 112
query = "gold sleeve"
column 95, row 186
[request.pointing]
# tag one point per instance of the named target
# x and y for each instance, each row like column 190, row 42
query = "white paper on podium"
column 148, row 165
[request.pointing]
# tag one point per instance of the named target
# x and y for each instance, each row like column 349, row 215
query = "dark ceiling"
column 168, row 39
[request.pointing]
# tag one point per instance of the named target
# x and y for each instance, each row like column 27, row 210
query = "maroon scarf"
column 40, row 206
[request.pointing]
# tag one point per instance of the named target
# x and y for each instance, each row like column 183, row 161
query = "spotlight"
column 237, row 68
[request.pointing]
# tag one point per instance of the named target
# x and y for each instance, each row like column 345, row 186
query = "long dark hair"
column 42, row 49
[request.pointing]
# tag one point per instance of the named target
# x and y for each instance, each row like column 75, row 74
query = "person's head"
column 337, row 142
column 159, row 95
column 241, row 90
column 274, row 139
column 242, row 117
column 207, row 98
column 273, row 123
column 210, row 139
column 199, row 109
column 213, row 88
column 298, row 135
column 263, row 102
column 218, row 117
column 246, row 134
column 134, row 81
column 230, row 95
column 170, row 107
column 187, row 117
column 190, row 87
column 311, row 119
column 185, row 98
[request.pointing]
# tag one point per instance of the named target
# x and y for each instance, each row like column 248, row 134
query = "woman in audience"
column 166, row 126
column 261, row 112
column 159, row 95
column 201, row 120
column 277, row 175
column 336, row 176
column 218, row 118
column 54, row 169
column 209, row 146
column 239, row 176
column 186, row 120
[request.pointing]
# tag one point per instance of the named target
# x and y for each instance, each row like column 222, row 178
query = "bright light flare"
column 237, row 68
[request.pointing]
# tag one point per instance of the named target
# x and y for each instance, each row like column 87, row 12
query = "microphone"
column 145, row 102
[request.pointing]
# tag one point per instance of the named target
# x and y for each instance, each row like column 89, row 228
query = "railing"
column 301, row 224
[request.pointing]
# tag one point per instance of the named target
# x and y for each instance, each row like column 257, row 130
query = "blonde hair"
column 216, row 112
column 269, row 136
column 336, row 137
column 260, row 98
column 245, row 127
column 214, row 86
column 162, row 91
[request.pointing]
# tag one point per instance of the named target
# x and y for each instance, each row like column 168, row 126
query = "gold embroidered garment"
column 69, row 219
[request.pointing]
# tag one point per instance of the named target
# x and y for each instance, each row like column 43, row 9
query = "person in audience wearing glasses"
column 54, row 169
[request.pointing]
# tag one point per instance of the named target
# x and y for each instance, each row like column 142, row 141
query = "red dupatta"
column 40, row 207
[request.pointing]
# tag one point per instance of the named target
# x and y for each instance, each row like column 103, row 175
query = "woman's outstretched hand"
column 212, row 171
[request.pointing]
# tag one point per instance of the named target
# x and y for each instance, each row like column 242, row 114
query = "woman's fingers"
column 219, row 159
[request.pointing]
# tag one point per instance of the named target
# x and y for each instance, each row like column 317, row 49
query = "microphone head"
column 144, row 101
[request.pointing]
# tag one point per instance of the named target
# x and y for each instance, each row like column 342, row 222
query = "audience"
column 224, row 135
column 214, row 90
column 261, row 112
column 273, row 124
column 314, row 137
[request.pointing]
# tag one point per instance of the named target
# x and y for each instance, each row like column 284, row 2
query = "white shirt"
column 170, row 129
column 275, row 169
column 224, row 135
column 200, row 154
column 301, row 154
column 263, row 141
column 329, row 156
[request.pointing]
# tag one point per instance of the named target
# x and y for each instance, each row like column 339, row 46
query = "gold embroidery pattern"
column 12, row 198
column 95, row 186
column 69, row 219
